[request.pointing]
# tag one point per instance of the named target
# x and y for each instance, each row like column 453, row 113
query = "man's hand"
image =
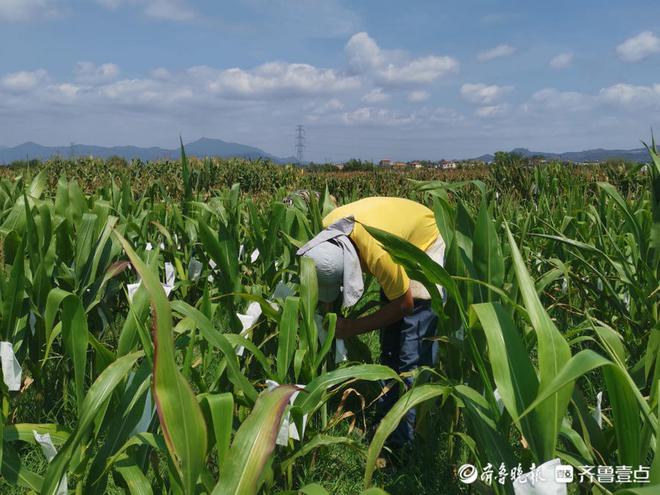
column 392, row 312
column 344, row 329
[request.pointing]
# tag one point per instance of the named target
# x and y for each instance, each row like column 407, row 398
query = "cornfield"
column 160, row 335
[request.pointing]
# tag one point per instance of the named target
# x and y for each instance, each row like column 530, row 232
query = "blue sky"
column 369, row 79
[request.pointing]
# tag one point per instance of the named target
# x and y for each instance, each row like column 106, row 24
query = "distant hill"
column 595, row 155
column 201, row 148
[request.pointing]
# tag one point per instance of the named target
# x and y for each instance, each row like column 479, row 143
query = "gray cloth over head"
column 337, row 233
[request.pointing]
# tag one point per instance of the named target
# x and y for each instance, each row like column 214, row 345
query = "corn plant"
column 170, row 343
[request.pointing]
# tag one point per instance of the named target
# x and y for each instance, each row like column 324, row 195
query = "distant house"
column 415, row 164
column 448, row 164
column 385, row 163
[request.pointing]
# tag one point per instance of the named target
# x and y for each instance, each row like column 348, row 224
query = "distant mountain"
column 485, row 158
column 201, row 148
column 595, row 155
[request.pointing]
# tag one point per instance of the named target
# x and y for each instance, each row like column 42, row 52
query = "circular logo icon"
column 467, row 473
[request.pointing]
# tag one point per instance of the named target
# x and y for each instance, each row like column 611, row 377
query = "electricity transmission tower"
column 300, row 142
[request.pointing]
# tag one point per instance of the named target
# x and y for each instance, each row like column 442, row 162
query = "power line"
column 300, row 142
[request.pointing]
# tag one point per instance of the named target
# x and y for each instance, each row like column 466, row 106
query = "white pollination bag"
column 288, row 429
column 170, row 275
column 11, row 368
column 247, row 321
column 341, row 354
column 49, row 451
column 194, row 269
column 550, row 478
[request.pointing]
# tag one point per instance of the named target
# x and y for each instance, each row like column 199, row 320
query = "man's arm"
column 392, row 312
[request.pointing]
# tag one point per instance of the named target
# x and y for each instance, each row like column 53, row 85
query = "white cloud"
column 23, row 80
column 274, row 78
column 417, row 96
column 363, row 53
column 496, row 52
column 483, row 94
column 376, row 95
column 89, row 73
column 330, row 106
column 561, row 61
column 564, row 101
column 490, row 111
column 441, row 115
column 62, row 93
column 639, row 47
column 97, row 87
column 170, row 10
column 161, row 73
column 376, row 116
column 420, row 70
column 394, row 68
column 28, row 10
column 629, row 95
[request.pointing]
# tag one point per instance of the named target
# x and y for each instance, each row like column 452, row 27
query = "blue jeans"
column 403, row 348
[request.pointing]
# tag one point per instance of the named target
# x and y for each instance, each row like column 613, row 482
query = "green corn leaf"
column 611, row 191
column 185, row 175
column 84, row 240
column 238, row 340
column 327, row 204
column 14, row 297
column 121, row 420
column 218, row 340
column 38, row 185
column 625, row 415
column 97, row 395
column 487, row 254
column 15, row 473
column 329, row 322
column 414, row 259
column 313, row 489
column 254, row 443
column 156, row 442
column 135, row 480
column 221, row 410
column 642, row 490
column 75, row 338
column 309, row 300
column 490, row 442
column 553, row 351
column 317, row 442
column 388, row 424
column 288, row 333
column 513, row 372
column 24, row 432
column 180, row 415
column 316, row 391
column 627, row 401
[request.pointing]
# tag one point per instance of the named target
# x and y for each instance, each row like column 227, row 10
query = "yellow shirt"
column 407, row 219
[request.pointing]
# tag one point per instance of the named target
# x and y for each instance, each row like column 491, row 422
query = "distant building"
column 385, row 163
